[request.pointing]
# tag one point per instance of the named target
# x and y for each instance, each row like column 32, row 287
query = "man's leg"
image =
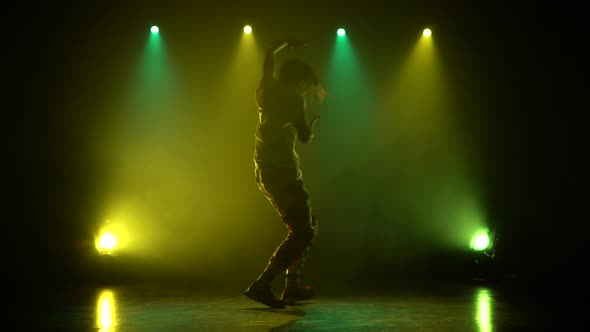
column 285, row 191
column 288, row 253
column 293, row 291
column 260, row 290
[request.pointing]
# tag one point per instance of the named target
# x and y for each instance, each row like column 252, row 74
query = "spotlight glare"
column 480, row 240
column 155, row 30
column 427, row 32
column 106, row 243
column 341, row 32
column 247, row 29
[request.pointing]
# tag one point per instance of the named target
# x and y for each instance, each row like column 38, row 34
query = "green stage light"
column 155, row 29
column 341, row 32
column 480, row 240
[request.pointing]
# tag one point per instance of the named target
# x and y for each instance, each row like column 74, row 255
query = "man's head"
column 299, row 75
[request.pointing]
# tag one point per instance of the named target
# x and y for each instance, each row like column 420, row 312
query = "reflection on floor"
column 143, row 308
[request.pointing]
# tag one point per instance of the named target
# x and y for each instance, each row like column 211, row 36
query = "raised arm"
column 269, row 68
column 271, row 53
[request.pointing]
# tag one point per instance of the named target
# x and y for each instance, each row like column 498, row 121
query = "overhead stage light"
column 341, row 32
column 155, row 30
column 247, row 29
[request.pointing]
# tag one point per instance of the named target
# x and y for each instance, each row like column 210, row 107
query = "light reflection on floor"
column 472, row 308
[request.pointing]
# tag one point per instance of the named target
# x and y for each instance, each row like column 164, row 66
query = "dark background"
column 525, row 59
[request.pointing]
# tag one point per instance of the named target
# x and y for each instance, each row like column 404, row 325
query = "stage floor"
column 472, row 307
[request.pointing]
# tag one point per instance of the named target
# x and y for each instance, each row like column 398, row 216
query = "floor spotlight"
column 483, row 241
column 112, row 237
column 483, row 250
column 106, row 243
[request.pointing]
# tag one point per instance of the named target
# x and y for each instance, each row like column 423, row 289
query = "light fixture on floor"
column 483, row 250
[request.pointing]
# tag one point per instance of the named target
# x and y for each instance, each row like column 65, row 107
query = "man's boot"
column 261, row 291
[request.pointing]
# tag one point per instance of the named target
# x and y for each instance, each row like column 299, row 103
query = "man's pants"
column 284, row 189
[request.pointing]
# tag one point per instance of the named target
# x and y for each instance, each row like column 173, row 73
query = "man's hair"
column 294, row 70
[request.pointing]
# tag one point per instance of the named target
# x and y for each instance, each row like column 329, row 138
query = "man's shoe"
column 262, row 292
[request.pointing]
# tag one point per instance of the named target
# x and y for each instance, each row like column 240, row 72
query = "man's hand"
column 313, row 122
column 312, row 135
column 306, row 133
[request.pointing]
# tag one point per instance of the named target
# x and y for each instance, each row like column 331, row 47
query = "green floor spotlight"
column 483, row 250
